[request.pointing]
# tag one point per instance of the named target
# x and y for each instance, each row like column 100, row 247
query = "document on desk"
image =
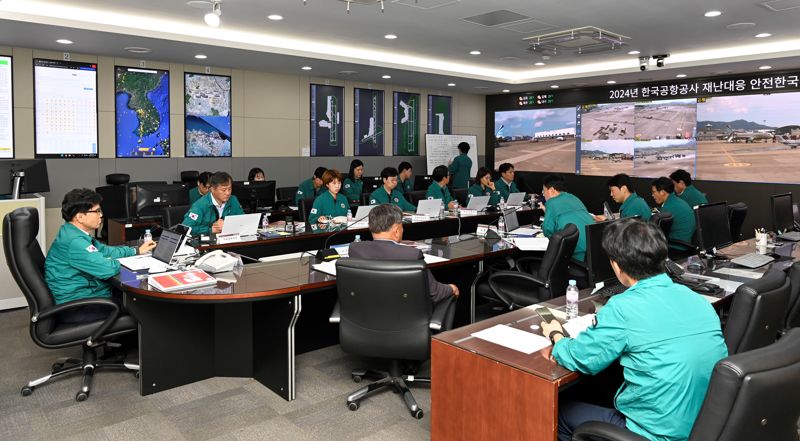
column 513, row 338
column 739, row 273
column 136, row 263
column 281, row 257
column 531, row 243
column 579, row 324
column 526, row 231
column 330, row 266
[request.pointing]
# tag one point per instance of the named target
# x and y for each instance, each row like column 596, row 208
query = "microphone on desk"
column 329, row 253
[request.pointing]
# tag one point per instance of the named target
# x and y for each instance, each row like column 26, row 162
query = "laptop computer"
column 515, row 199
column 362, row 214
column 607, row 212
column 242, row 224
column 511, row 220
column 478, row 203
column 167, row 246
column 429, row 207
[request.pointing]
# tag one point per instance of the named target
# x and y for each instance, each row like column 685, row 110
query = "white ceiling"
column 432, row 48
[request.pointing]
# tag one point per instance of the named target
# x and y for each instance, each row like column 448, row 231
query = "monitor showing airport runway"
column 541, row 140
column 606, row 140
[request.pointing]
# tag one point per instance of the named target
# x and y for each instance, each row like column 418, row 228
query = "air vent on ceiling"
column 781, row 5
column 496, row 18
column 529, row 26
column 348, row 73
column 426, row 4
column 585, row 40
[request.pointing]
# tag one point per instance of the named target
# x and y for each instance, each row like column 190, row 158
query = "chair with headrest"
column 758, row 312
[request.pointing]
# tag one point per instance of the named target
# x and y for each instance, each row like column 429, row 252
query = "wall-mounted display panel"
column 406, row 124
column 369, row 122
column 536, row 139
column 327, row 120
column 440, row 114
column 6, row 107
column 142, row 112
column 207, row 106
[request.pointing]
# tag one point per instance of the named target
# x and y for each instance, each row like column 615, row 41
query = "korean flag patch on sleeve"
column 91, row 248
column 313, row 211
column 193, row 216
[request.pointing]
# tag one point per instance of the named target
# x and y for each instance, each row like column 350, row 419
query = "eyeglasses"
column 98, row 211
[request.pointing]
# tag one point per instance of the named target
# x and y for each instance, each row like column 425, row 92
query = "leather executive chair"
column 793, row 311
column 26, row 263
column 736, row 215
column 286, row 193
column 385, row 311
column 304, row 209
column 758, row 312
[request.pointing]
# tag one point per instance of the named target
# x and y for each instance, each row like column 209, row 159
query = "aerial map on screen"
column 208, row 115
column 142, row 113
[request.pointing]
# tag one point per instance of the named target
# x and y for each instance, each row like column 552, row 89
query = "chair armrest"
column 522, row 263
column 440, row 314
column 95, row 337
column 336, row 315
column 688, row 245
column 579, row 264
column 515, row 274
column 591, row 430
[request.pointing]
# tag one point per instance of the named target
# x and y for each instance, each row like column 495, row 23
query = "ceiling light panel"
column 531, row 26
column 426, row 4
column 496, row 18
column 781, row 5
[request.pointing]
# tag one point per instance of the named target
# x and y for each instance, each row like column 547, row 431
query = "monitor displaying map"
column 6, row 109
column 65, row 109
column 327, row 120
column 207, row 102
column 368, row 122
column 406, row 124
column 142, row 112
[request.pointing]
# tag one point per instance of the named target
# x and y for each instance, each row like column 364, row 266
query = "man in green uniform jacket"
column 484, row 186
column 388, row 194
column 208, row 214
column 438, row 188
column 201, row 189
column 77, row 265
column 311, row 187
column 632, row 205
column 685, row 190
column 506, row 184
column 353, row 186
column 683, row 222
column 404, row 173
column 331, row 203
column 461, row 167
column 666, row 337
column 563, row 208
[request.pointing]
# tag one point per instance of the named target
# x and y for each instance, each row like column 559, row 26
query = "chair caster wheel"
column 81, row 396
column 417, row 414
column 357, row 378
column 352, row 406
column 57, row 366
column 26, row 391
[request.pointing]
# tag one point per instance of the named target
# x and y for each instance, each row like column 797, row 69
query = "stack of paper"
column 513, row 338
column 531, row 243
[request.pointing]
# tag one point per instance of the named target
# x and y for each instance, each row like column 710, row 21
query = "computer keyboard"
column 753, row 260
column 791, row 236
column 611, row 290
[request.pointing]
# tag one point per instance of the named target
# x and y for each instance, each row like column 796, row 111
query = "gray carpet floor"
column 219, row 409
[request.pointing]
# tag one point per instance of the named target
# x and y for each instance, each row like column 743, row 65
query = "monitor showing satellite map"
column 142, row 112
column 207, row 102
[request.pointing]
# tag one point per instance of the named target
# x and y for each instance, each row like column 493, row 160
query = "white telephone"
column 216, row 261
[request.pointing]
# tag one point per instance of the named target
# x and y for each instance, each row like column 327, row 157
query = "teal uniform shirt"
column 460, row 168
column 324, row 205
column 635, row 206
column 194, row 195
column 406, row 186
column 352, row 190
column 77, row 265
column 667, row 339
column 437, row 192
column 505, row 189
column 693, row 196
column 379, row 196
column 203, row 213
column 478, row 190
column 683, row 222
column 567, row 209
column 306, row 190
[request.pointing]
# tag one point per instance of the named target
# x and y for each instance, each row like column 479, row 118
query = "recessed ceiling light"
column 539, row 64
column 554, row 86
column 201, row 56
column 611, row 82
column 634, row 53
column 713, row 14
column 680, row 76
column 387, row 77
column 390, row 36
column 451, row 84
column 275, row 17
column 506, row 91
column 306, row 68
column 137, row 50
column 63, row 41
column 474, row 52
column 765, row 67
column 763, row 35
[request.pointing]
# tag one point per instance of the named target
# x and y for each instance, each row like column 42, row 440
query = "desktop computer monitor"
column 422, row 182
column 149, row 198
column 253, row 195
column 371, row 183
column 713, row 227
column 782, row 216
column 596, row 258
column 35, row 180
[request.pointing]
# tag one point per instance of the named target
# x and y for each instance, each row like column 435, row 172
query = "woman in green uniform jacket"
column 460, row 167
column 388, row 193
column 353, row 185
column 438, row 188
column 330, row 203
column 484, row 186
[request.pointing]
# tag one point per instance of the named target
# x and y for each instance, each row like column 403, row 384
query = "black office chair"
column 365, row 198
column 664, row 221
column 189, row 178
column 549, row 279
column 171, row 216
column 26, row 263
column 753, row 395
column 385, row 311
column 736, row 214
column 305, row 209
column 416, row 196
column 460, row 195
column 758, row 312
column 584, row 272
column 116, row 200
column 793, row 311
column 286, row 193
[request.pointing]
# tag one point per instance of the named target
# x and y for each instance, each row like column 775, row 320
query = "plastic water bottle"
column 358, row 238
column 502, row 204
column 148, row 237
column 349, row 216
column 572, row 300
column 456, row 209
column 501, row 224
column 265, row 221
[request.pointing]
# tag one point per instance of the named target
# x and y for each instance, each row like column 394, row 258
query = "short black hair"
column 463, row 147
column 621, row 180
column 663, row 183
column 204, row 177
column 405, row 165
column 79, row 200
column 388, row 172
column 253, row 172
column 639, row 247
column 355, row 163
column 439, row 173
column 504, row 167
column 483, row 171
column 554, row 181
column 319, row 172
column 681, row 175
column 220, row 178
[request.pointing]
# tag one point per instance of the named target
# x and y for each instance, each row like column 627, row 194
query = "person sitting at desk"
column 311, row 187
column 386, row 226
column 388, row 194
column 438, row 188
column 208, row 213
column 353, row 185
column 506, row 184
column 620, row 186
column 683, row 222
column 77, row 265
column 404, row 173
column 201, row 189
column 666, row 337
column 460, row 166
column 685, row 190
column 256, row 174
column 563, row 208
column 484, row 186
column 331, row 203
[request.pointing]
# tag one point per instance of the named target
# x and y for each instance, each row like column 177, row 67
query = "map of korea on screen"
column 142, row 112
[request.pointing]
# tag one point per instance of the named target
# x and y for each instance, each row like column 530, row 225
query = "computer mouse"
column 705, row 288
column 695, row 266
column 156, row 269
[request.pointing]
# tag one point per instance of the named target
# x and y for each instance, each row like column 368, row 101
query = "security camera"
column 660, row 59
column 643, row 62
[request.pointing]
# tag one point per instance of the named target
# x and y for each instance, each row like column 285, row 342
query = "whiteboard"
column 441, row 149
